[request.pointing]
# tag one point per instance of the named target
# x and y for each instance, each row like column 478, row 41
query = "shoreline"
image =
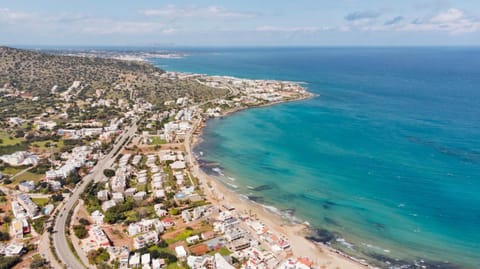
column 216, row 192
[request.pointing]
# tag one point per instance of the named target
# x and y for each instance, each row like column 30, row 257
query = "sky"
column 240, row 23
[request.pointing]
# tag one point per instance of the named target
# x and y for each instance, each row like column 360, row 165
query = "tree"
column 80, row 231
column 56, row 197
column 19, row 133
column 7, row 219
column 98, row 256
column 8, row 262
column 4, row 236
column 108, row 172
column 84, row 221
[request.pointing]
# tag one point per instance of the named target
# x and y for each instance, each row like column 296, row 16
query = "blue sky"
column 240, row 22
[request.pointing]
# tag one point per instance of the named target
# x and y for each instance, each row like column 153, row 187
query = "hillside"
column 37, row 73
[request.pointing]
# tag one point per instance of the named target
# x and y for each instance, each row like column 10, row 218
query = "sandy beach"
column 323, row 256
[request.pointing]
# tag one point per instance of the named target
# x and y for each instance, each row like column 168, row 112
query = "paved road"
column 59, row 237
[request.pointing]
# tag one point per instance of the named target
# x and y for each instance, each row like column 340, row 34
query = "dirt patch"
column 117, row 236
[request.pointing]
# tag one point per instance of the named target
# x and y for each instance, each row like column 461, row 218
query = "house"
column 96, row 239
column 119, row 253
column 186, row 216
column 102, row 195
column 130, row 192
column 26, row 186
column 207, row 235
column 97, row 217
column 177, row 165
column 159, row 194
column 16, row 229
column 167, row 223
column 145, row 225
column 198, row 212
column 201, row 262
column 146, row 239
column 18, row 210
column 180, row 252
column 54, row 185
column 157, row 185
column 145, row 259
column 117, row 197
column 192, row 239
column 139, row 196
column 20, row 158
column 134, row 260
column 13, row 250
column 234, row 234
column 240, row 244
column 118, row 183
column 45, row 125
column 30, row 207
column 158, row 263
column 161, row 212
column 108, row 204
column 15, row 121
column 180, row 178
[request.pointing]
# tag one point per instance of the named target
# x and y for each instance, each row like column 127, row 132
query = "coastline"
column 216, row 192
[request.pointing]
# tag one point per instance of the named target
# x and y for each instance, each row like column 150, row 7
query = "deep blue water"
column 387, row 156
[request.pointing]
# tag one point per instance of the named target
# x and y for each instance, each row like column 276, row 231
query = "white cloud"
column 307, row 29
column 106, row 26
column 10, row 16
column 193, row 11
column 450, row 15
column 453, row 21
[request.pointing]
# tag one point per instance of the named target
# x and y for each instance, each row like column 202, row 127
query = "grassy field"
column 6, row 141
column 41, row 202
column 157, row 141
column 28, row 176
column 222, row 251
column 175, row 266
column 56, row 146
column 10, row 170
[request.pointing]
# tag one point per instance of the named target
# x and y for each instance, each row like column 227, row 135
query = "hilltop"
column 38, row 73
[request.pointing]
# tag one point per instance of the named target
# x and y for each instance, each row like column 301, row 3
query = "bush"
column 174, row 211
column 108, row 172
column 38, row 263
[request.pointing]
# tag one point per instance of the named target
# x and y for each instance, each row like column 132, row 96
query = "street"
column 59, row 236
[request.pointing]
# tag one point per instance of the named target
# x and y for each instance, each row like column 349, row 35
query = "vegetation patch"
column 39, row 224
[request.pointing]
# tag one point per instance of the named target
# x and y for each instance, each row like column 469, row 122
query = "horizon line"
column 40, row 46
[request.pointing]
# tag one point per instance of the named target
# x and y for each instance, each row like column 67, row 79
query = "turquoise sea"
column 384, row 163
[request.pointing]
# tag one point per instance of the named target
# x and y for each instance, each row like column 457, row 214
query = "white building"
column 180, row 252
column 20, row 158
